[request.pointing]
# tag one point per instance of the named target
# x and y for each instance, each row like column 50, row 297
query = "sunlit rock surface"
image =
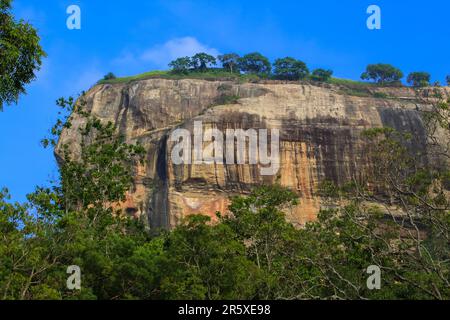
column 319, row 127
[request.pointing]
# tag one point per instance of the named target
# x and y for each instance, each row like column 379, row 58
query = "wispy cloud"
column 86, row 79
column 159, row 55
column 162, row 54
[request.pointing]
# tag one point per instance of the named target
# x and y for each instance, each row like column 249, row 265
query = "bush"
column 382, row 73
column 321, row 75
column 109, row 76
column 448, row 80
column 419, row 79
column 380, row 95
column 225, row 99
column 255, row 63
column 290, row 69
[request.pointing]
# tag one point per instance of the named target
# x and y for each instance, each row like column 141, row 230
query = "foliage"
column 229, row 61
column 321, row 75
column 419, row 79
column 290, row 69
column 73, row 222
column 109, row 76
column 380, row 95
column 224, row 99
column 382, row 73
column 211, row 74
column 201, row 61
column 20, row 55
column 255, row 63
column 447, row 79
column 181, row 65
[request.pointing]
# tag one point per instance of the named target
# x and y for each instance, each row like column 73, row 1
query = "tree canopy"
column 181, row 65
column 20, row 55
column 290, row 69
column 229, row 61
column 321, row 75
column 109, row 76
column 382, row 73
column 255, row 63
column 201, row 61
column 419, row 79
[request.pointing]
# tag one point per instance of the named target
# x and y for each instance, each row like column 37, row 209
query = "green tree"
column 24, row 249
column 201, row 61
column 75, row 221
column 109, row 76
column 382, row 73
column 204, row 261
column 20, row 55
column 447, row 79
column 255, row 63
column 290, row 69
column 321, row 75
column 181, row 65
column 419, row 79
column 229, row 61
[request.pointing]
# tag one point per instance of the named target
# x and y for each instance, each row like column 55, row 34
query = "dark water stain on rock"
column 406, row 121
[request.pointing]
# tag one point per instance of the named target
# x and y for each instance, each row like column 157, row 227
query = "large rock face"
column 319, row 130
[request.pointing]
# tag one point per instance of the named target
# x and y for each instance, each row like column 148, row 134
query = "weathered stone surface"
column 319, row 139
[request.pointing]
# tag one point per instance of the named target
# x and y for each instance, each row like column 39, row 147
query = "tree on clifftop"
column 201, row 61
column 180, row 65
column 255, row 63
column 321, row 75
column 229, row 61
column 290, row 69
column 419, row 79
column 109, row 76
column 382, row 73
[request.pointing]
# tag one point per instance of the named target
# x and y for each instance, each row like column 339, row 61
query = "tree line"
column 289, row 68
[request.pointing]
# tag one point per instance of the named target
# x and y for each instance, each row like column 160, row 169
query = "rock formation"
column 319, row 126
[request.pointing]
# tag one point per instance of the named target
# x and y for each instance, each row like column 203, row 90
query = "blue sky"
column 129, row 37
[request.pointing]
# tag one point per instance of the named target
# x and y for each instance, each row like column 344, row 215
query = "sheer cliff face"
column 319, row 130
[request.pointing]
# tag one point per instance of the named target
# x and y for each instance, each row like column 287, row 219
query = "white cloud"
column 160, row 55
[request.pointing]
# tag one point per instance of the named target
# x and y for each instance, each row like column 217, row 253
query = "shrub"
column 382, row 73
column 321, row 75
column 380, row 95
column 109, row 76
column 419, row 79
column 290, row 69
column 224, row 99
